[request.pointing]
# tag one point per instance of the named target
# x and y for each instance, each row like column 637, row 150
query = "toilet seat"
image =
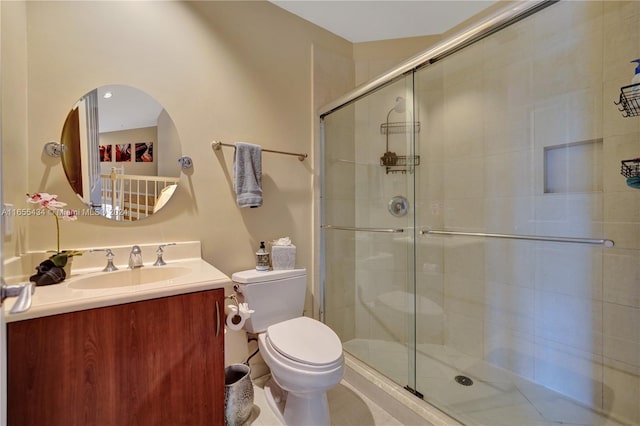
column 306, row 341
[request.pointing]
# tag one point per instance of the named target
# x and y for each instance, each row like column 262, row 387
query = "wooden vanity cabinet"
column 155, row 362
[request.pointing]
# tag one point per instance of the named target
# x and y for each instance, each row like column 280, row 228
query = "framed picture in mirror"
column 123, row 153
column 105, row 153
column 144, row 152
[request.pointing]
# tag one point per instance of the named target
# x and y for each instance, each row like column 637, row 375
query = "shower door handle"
column 592, row 241
column 351, row 228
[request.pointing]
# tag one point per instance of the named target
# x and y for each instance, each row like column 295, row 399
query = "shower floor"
column 497, row 397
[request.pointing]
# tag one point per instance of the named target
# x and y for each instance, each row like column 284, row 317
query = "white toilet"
column 304, row 355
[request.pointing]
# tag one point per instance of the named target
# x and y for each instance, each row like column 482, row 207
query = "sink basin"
column 129, row 277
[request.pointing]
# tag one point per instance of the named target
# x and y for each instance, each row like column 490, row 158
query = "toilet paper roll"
column 235, row 321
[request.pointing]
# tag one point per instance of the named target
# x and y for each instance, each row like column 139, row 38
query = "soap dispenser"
column 262, row 258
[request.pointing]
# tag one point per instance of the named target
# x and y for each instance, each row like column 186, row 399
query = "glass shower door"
column 368, row 191
column 523, row 308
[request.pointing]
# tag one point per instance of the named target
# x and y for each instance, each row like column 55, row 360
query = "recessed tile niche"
column 573, row 167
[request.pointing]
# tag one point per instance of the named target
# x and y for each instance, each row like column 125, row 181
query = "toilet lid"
column 305, row 340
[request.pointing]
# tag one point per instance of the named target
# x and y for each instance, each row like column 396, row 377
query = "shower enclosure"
column 471, row 201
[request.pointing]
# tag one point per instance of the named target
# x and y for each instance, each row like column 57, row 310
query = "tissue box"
column 283, row 257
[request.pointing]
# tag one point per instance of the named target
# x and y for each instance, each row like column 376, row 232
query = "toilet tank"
column 275, row 296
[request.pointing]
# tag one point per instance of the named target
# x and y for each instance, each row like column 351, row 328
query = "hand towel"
column 247, row 174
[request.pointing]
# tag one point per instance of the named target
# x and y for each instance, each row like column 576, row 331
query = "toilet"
column 303, row 354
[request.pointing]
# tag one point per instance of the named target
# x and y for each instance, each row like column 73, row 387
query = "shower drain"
column 464, row 380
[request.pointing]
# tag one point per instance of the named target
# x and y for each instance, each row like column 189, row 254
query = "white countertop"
column 62, row 298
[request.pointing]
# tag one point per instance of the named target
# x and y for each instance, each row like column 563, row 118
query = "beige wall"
column 375, row 57
column 14, row 119
column 3, row 337
column 232, row 71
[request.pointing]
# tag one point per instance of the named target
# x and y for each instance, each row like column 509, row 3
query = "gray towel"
column 247, row 174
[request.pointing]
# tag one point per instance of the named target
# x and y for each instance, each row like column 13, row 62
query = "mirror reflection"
column 120, row 151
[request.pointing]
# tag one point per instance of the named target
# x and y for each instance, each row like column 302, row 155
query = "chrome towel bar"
column 216, row 145
column 350, row 228
column 600, row 242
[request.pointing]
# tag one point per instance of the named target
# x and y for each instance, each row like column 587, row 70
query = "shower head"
column 400, row 105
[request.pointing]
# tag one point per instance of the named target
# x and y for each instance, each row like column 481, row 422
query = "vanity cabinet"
column 154, row 362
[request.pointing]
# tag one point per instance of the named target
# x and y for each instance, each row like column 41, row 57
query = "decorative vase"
column 67, row 266
column 238, row 398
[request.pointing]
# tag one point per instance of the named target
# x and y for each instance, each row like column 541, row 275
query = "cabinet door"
column 155, row 362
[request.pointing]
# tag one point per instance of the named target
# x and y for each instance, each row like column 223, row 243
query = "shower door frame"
column 408, row 228
column 504, row 17
column 510, row 14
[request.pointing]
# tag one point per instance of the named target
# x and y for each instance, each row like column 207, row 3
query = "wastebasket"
column 238, row 395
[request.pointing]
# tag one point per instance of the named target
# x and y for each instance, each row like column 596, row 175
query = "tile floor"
column 348, row 408
column 497, row 397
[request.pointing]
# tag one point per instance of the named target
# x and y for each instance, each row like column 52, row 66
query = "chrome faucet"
column 160, row 261
column 110, row 266
column 135, row 258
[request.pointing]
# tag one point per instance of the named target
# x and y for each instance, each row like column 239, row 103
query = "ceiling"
column 367, row 20
column 126, row 108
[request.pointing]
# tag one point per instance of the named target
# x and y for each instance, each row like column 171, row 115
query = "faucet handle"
column 160, row 261
column 110, row 266
column 108, row 250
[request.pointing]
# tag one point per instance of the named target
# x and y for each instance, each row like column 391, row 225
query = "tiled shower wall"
column 519, row 135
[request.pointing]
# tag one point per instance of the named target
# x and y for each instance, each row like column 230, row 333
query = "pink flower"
column 68, row 215
column 47, row 201
column 38, row 197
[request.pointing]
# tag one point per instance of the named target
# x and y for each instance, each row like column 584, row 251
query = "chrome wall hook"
column 54, row 149
column 185, row 162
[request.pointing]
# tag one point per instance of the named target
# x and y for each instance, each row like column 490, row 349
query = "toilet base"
column 276, row 398
column 297, row 410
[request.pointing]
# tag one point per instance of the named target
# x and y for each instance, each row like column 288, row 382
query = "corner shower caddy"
column 398, row 163
column 630, row 168
column 629, row 102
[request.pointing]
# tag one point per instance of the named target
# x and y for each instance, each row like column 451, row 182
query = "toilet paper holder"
column 236, row 314
column 235, row 300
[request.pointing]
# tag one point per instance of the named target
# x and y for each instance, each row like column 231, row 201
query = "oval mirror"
column 120, row 151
